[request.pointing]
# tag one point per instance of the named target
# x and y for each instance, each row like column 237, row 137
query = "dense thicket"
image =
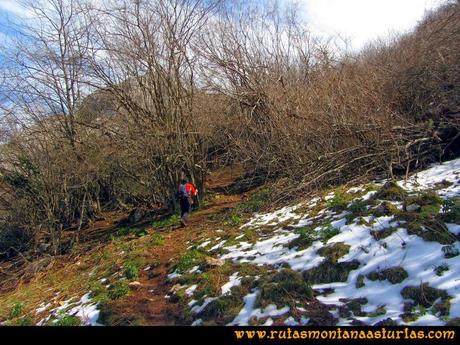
column 107, row 107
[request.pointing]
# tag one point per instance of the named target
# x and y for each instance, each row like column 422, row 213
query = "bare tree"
column 149, row 67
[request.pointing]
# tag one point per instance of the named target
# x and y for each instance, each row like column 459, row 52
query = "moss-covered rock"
column 385, row 208
column 409, row 317
column 391, row 191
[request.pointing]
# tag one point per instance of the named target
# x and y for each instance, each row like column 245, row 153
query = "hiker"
column 193, row 192
column 185, row 200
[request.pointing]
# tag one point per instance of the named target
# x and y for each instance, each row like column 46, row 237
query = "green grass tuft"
column 451, row 210
column 172, row 220
column 157, row 239
column 328, row 272
column 360, row 281
column 338, row 202
column 283, row 288
column 16, row 310
column 424, row 294
column 439, row 270
column 190, row 259
column 327, row 232
column 391, row 191
column 334, row 252
column 68, row 320
column 131, row 231
column 306, row 238
column 118, row 290
column 131, row 270
column 394, row 275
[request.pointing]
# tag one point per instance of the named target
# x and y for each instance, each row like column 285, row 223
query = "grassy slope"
column 195, row 289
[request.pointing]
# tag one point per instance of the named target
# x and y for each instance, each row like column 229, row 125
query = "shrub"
column 255, row 203
column 131, row 231
column 451, row 210
column 157, row 239
column 327, row 232
column 24, row 321
column 431, row 230
column 283, row 288
column 391, row 191
column 394, row 275
column 306, row 238
column 439, row 270
column 223, row 309
column 189, row 259
column 13, row 240
column 16, row 310
column 131, row 270
column 118, row 290
column 334, row 252
column 328, row 272
column 233, row 220
column 337, row 203
column 424, row 294
column 68, row 320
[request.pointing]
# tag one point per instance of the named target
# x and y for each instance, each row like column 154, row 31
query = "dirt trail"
column 148, row 300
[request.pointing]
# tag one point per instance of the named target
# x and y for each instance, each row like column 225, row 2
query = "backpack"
column 191, row 189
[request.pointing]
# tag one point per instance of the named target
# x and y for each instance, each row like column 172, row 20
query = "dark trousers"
column 184, row 207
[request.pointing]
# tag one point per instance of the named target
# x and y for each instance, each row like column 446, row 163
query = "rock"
column 153, row 274
column 175, row 288
column 212, row 262
column 173, row 299
column 135, row 284
column 136, row 215
column 412, row 207
column 154, row 265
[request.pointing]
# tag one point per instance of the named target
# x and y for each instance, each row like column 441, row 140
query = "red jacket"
column 191, row 189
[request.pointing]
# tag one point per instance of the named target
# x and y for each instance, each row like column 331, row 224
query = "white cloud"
column 364, row 20
column 12, row 6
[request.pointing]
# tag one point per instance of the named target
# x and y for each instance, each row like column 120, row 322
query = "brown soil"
column 148, row 301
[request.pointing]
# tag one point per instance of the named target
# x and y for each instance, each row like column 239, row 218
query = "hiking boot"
column 183, row 223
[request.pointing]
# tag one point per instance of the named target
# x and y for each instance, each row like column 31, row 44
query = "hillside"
column 318, row 201
column 377, row 253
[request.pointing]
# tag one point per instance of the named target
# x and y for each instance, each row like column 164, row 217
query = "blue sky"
column 357, row 20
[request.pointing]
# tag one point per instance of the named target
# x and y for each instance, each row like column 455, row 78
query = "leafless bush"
column 111, row 104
